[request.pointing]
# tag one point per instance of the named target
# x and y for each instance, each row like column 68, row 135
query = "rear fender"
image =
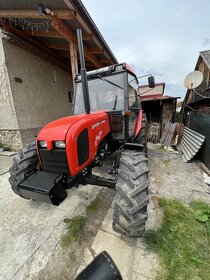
column 139, row 123
column 83, row 139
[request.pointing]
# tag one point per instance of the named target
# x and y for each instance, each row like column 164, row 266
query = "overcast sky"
column 161, row 37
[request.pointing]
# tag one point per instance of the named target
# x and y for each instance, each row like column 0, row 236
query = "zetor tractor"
column 107, row 121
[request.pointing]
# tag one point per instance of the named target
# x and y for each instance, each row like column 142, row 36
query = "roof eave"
column 78, row 5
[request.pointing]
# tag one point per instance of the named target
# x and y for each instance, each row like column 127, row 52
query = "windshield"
column 103, row 95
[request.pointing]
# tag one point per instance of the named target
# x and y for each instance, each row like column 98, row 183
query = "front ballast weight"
column 45, row 187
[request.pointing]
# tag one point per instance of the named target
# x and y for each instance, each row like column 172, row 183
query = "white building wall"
column 146, row 90
column 39, row 90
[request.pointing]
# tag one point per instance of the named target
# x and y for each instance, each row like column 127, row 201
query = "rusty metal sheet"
column 168, row 134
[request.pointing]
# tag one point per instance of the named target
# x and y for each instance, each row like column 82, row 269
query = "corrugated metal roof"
column 206, row 57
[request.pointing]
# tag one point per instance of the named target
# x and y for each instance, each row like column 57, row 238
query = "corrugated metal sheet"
column 168, row 134
column 191, row 143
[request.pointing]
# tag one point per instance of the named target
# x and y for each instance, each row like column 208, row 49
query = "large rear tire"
column 130, row 206
column 25, row 161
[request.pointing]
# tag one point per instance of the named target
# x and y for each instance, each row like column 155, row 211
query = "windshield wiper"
column 104, row 79
column 115, row 103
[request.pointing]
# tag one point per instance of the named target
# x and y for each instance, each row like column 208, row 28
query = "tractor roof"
column 108, row 70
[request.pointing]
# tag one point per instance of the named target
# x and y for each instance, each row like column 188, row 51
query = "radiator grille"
column 54, row 161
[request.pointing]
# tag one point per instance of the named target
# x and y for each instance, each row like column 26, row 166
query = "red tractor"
column 107, row 120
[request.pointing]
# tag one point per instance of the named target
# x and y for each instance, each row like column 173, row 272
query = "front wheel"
column 130, row 206
column 25, row 161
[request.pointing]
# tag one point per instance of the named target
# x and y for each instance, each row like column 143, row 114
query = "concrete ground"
column 170, row 177
column 30, row 231
column 5, row 162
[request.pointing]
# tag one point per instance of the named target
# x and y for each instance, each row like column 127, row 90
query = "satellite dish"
column 193, row 79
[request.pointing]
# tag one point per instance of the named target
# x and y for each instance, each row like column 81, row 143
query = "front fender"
column 83, row 139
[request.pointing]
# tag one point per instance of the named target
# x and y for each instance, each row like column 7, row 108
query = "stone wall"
column 11, row 139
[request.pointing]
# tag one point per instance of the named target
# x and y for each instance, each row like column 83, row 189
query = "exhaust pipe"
column 101, row 268
column 83, row 72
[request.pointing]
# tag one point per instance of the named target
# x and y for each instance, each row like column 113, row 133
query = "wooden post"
column 74, row 63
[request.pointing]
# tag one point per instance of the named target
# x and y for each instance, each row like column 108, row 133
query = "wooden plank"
column 87, row 36
column 74, row 63
column 33, row 13
column 96, row 50
column 58, row 47
column 53, row 34
column 61, row 28
column 66, row 47
column 105, row 60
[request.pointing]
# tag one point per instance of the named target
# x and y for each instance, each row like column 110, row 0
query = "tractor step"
column 44, row 186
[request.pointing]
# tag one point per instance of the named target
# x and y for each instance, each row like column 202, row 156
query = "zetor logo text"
column 97, row 124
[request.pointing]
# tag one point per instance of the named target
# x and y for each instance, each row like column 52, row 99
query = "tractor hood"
column 58, row 129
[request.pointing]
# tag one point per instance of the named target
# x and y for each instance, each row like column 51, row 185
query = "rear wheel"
column 25, row 161
column 130, row 207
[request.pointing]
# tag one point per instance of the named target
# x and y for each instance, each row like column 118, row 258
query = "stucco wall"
column 7, row 111
column 9, row 134
column 146, row 90
column 39, row 90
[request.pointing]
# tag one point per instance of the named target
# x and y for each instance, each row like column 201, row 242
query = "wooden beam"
column 105, row 60
column 96, row 50
column 74, row 63
column 51, row 34
column 54, row 34
column 58, row 47
column 61, row 28
column 66, row 48
column 18, row 33
column 33, row 13
column 87, row 36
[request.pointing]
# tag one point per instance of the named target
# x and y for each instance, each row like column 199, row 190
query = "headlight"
column 43, row 144
column 60, row 144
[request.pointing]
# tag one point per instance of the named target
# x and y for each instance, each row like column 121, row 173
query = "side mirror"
column 151, row 81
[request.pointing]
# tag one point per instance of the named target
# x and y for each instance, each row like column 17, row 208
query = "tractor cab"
column 112, row 89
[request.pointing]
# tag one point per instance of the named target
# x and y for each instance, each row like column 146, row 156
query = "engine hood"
column 58, row 129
